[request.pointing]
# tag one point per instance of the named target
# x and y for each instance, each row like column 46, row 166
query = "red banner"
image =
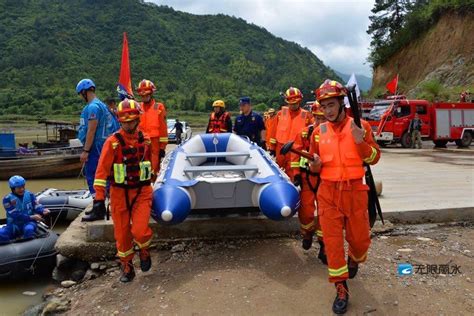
column 124, row 87
column 392, row 85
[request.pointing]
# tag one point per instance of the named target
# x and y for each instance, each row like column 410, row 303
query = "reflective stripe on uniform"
column 146, row 244
column 125, row 253
column 294, row 164
column 338, row 272
column 372, row 156
column 100, row 182
column 119, row 172
column 273, row 141
column 145, row 170
column 307, row 226
column 303, row 162
column 316, row 138
column 163, row 139
column 319, row 233
column 360, row 259
column 304, row 134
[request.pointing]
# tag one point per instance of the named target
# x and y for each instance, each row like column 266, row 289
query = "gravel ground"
column 277, row 277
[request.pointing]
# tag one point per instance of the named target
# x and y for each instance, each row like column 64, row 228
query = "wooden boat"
column 58, row 163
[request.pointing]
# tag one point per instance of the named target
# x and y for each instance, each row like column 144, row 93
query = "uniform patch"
column 92, row 116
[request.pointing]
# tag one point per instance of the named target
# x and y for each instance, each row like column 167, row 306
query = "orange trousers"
column 284, row 161
column 155, row 154
column 343, row 206
column 309, row 223
column 131, row 225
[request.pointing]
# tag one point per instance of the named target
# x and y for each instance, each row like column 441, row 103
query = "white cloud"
column 334, row 30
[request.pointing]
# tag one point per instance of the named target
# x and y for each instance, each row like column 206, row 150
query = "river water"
column 11, row 294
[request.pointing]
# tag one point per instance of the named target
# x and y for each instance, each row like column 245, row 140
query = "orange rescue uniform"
column 270, row 128
column 309, row 224
column 289, row 124
column 342, row 196
column 153, row 123
column 130, row 225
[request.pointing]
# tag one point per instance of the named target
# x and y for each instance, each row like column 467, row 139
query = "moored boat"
column 67, row 204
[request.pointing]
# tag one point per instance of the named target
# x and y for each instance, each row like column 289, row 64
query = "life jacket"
column 23, row 205
column 287, row 127
column 150, row 119
column 339, row 156
column 132, row 164
column 218, row 124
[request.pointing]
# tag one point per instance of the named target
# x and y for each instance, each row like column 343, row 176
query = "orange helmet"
column 146, row 87
column 128, row 110
column 316, row 110
column 330, row 89
column 293, row 95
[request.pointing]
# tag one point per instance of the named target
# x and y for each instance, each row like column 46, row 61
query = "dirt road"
column 276, row 277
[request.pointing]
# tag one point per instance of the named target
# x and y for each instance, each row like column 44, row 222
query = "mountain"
column 365, row 83
column 49, row 45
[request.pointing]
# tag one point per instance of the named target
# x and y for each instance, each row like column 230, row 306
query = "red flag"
column 392, row 85
column 124, row 86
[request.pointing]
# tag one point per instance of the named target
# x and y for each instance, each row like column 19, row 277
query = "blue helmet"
column 16, row 181
column 84, row 84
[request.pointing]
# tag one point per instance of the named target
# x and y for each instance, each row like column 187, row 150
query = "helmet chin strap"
column 84, row 95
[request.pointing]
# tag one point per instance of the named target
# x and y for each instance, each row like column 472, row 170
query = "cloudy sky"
column 334, row 30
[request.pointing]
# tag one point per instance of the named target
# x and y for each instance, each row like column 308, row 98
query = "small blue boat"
column 218, row 175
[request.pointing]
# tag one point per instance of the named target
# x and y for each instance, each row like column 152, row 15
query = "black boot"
column 342, row 298
column 128, row 272
column 307, row 242
column 97, row 213
column 322, row 253
column 145, row 260
column 353, row 267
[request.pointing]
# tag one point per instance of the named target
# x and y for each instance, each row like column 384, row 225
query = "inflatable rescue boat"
column 221, row 174
column 67, row 204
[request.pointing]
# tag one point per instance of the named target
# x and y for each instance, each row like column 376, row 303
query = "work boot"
column 97, row 213
column 128, row 272
column 145, row 260
column 307, row 242
column 342, row 298
column 322, row 253
column 353, row 267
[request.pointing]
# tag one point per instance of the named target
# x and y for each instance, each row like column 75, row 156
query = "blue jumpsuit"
column 19, row 209
column 106, row 125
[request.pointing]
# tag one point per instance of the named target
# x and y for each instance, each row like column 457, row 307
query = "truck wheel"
column 440, row 143
column 465, row 141
column 406, row 140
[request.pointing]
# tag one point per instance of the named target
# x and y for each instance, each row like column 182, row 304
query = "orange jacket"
column 108, row 156
column 270, row 128
column 342, row 159
column 153, row 121
column 289, row 123
column 219, row 123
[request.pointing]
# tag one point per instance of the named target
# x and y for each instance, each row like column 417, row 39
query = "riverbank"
column 275, row 276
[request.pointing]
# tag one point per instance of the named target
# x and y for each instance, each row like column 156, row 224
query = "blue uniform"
column 95, row 110
column 19, row 209
column 249, row 125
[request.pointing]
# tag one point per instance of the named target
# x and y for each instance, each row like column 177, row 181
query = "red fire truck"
column 442, row 122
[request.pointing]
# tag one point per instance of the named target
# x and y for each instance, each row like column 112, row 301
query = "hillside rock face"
column 445, row 53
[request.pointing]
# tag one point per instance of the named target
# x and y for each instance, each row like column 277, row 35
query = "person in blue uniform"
column 95, row 126
column 23, row 212
column 249, row 123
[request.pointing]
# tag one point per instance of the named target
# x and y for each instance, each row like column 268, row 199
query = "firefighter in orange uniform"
column 309, row 224
column 270, row 125
column 153, row 122
column 219, row 120
column 291, row 120
column 340, row 149
column 126, row 162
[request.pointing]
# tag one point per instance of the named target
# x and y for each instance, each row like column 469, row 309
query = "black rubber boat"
column 17, row 258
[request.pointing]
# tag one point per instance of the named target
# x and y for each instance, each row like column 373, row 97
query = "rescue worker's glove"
column 297, row 180
column 97, row 213
column 162, row 153
column 272, row 152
